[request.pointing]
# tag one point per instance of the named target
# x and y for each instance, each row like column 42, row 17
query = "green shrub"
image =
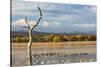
column 92, row 38
column 49, row 38
column 74, row 38
column 18, row 39
column 57, row 39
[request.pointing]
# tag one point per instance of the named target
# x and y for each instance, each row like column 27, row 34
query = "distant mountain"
column 39, row 32
column 85, row 32
column 25, row 32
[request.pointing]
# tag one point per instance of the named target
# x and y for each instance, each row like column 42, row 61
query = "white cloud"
column 21, row 22
column 51, row 24
column 85, row 25
column 88, row 2
column 23, row 8
column 27, row 8
column 55, row 24
column 45, row 24
column 90, row 10
column 93, row 9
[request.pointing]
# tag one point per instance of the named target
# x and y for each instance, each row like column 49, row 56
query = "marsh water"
column 46, row 55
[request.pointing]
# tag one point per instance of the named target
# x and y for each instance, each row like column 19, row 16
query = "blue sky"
column 57, row 18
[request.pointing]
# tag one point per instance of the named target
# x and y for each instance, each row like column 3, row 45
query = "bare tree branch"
column 28, row 26
column 39, row 18
column 30, row 36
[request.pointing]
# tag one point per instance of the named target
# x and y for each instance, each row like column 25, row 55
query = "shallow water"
column 70, row 54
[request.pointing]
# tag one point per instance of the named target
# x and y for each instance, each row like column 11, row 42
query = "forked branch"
column 38, row 19
column 33, row 26
column 28, row 26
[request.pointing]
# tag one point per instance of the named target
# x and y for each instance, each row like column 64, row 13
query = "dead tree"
column 30, row 28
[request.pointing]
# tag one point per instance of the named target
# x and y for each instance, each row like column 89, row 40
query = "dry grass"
column 52, row 44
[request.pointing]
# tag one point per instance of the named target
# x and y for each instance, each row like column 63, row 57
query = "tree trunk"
column 29, row 48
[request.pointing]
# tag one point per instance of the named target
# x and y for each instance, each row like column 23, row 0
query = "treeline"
column 54, row 38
